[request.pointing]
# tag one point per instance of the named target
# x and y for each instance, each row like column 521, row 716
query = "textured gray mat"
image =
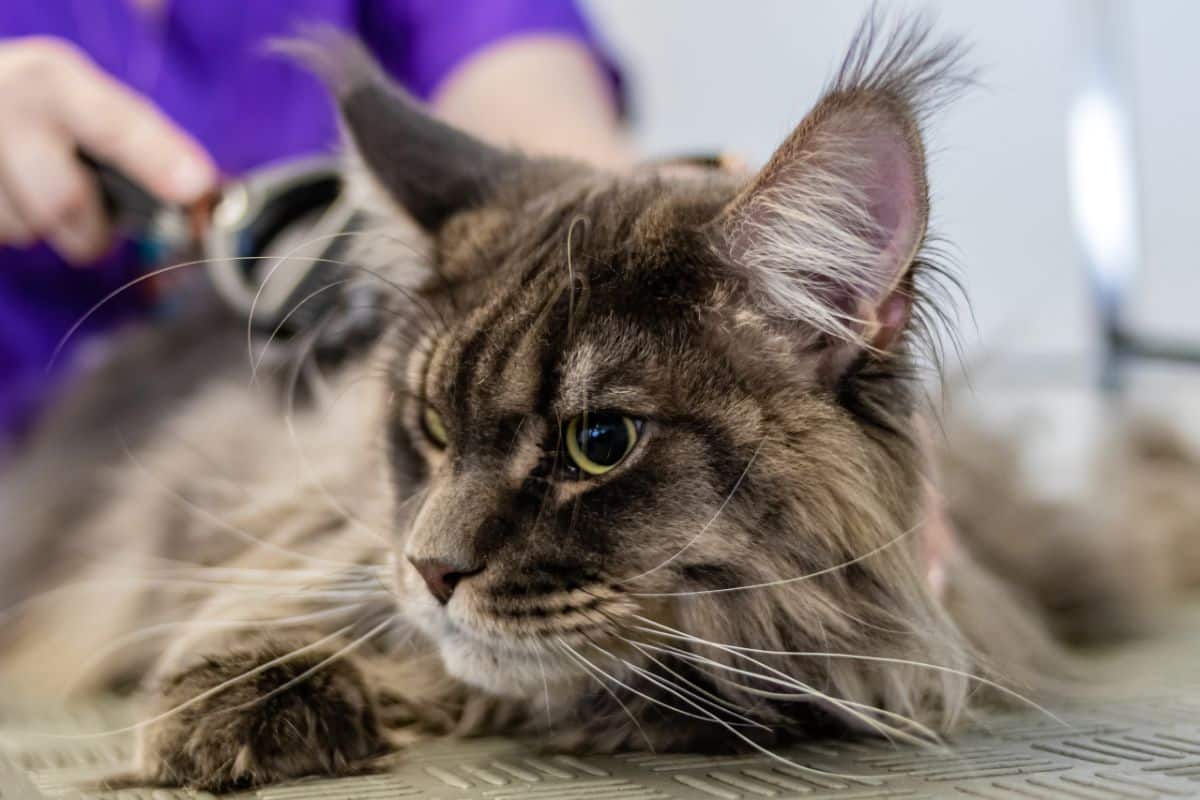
column 1144, row 742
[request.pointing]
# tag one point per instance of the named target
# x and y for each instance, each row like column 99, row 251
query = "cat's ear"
column 828, row 232
column 429, row 168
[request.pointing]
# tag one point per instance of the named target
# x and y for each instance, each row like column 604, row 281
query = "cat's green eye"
column 597, row 442
column 435, row 429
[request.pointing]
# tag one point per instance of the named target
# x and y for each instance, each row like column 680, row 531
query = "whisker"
column 137, row 583
column 710, row 697
column 258, row 670
column 926, row 737
column 632, row 690
column 591, row 671
column 807, row 691
column 363, row 574
column 337, row 656
column 58, row 348
column 708, row 716
column 257, row 363
column 571, row 321
column 91, row 312
column 675, row 634
column 784, row 581
column 281, row 260
column 708, row 524
column 546, row 689
column 133, row 637
column 679, row 691
column 212, row 462
column 289, row 421
column 220, row 523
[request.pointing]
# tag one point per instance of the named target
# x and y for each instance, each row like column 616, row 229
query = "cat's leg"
column 277, row 717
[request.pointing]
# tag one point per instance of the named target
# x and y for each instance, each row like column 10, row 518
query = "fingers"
column 55, row 101
column 51, row 196
column 13, row 230
column 119, row 126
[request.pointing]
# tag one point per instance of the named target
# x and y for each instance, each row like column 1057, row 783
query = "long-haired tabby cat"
column 636, row 464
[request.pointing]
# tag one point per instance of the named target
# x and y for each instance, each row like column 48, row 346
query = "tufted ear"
column 827, row 234
column 430, row 168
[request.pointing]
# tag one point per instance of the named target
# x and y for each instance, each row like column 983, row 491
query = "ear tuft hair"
column 338, row 58
column 829, row 231
column 899, row 60
column 430, row 168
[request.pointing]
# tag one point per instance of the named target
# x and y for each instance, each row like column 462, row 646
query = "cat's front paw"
column 264, row 728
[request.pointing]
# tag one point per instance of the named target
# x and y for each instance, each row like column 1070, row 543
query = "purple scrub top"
column 203, row 62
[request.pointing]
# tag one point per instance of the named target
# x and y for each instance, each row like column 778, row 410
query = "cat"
column 638, row 463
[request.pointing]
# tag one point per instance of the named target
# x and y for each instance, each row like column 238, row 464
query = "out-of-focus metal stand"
column 1104, row 191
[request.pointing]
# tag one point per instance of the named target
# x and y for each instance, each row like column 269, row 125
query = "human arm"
column 545, row 94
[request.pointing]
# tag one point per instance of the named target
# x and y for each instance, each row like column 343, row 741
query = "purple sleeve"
column 422, row 41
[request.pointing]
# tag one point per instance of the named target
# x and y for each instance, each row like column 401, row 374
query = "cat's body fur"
column 259, row 535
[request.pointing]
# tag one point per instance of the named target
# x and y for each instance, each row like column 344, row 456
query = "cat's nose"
column 442, row 576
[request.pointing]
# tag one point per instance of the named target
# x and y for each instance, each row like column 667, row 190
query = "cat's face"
column 595, row 436
column 592, row 431
column 628, row 401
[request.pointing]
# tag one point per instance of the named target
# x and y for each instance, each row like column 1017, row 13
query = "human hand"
column 55, row 101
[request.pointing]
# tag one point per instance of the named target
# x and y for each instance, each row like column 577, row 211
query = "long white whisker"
column 710, row 697
column 571, row 278
column 590, row 671
column 262, row 354
column 886, row 730
column 927, row 736
column 289, row 421
column 632, row 690
column 133, row 637
column 220, row 687
column 783, row 581
column 364, row 575
column 342, row 653
column 680, row 691
column 737, row 484
column 280, row 260
column 137, row 582
column 675, row 634
column 850, row 707
column 103, row 301
column 545, row 688
column 222, row 524
column 334, row 594
column 764, row 750
column 713, row 698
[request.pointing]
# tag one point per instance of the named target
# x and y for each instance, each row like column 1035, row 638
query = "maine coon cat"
column 636, row 464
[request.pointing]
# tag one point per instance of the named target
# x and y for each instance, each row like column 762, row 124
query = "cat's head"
column 634, row 408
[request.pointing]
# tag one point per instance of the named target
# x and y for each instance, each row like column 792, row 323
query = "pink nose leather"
column 441, row 576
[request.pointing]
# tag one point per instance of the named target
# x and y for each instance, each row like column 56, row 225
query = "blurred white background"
column 708, row 74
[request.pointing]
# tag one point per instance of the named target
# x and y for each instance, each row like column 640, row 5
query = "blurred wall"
column 708, row 74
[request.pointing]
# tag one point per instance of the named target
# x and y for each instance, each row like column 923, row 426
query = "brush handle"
column 129, row 206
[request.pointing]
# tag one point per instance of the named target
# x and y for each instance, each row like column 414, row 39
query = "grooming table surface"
column 1143, row 742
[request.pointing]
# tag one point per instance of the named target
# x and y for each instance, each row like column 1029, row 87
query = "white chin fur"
column 501, row 672
column 492, row 666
